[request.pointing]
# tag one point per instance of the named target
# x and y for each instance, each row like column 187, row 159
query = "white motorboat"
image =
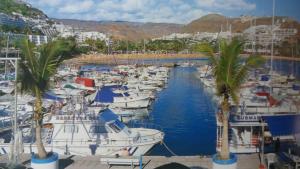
column 6, row 87
column 90, row 134
column 116, row 100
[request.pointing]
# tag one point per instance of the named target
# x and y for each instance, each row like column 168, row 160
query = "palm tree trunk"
column 225, row 146
column 38, row 130
column 39, row 144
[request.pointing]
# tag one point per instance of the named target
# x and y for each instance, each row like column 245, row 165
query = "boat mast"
column 16, row 141
column 6, row 55
column 16, row 147
column 272, row 41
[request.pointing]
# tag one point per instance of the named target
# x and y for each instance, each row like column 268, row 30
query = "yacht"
column 121, row 100
column 90, row 134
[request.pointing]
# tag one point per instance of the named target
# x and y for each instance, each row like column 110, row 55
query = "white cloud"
column 226, row 4
column 178, row 11
column 77, row 7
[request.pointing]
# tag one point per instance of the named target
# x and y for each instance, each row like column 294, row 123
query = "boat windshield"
column 117, row 126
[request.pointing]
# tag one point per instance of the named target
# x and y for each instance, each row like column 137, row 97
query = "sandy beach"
column 122, row 58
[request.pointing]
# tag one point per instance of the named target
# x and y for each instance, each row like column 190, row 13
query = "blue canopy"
column 107, row 115
column 52, row 96
column 283, row 125
column 296, row 86
column 106, row 94
column 265, row 78
column 97, row 68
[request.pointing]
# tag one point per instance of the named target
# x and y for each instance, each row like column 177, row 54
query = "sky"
column 169, row 11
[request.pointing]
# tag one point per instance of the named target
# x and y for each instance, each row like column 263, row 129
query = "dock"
column 245, row 161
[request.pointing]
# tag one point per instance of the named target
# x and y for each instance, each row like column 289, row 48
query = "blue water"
column 287, row 67
column 186, row 114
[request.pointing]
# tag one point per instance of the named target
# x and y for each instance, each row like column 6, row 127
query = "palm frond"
column 37, row 69
column 27, row 49
column 229, row 71
column 205, row 48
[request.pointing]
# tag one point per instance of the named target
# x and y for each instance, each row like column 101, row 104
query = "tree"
column 230, row 72
column 34, row 77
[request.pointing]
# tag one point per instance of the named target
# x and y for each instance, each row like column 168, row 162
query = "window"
column 114, row 127
column 119, row 124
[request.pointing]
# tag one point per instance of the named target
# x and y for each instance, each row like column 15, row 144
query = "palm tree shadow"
column 177, row 166
column 63, row 163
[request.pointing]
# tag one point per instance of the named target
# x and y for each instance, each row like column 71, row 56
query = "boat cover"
column 52, row 96
column 283, row 125
column 265, row 78
column 106, row 94
column 107, row 115
column 296, row 86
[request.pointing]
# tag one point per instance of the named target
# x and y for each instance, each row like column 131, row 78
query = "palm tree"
column 230, row 72
column 36, row 68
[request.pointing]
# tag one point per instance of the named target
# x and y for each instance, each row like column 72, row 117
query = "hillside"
column 17, row 6
column 214, row 22
column 125, row 30
column 137, row 31
column 207, row 23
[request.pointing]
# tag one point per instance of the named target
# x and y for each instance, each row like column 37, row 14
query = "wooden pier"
column 245, row 161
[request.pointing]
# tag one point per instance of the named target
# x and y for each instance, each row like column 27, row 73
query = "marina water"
column 186, row 114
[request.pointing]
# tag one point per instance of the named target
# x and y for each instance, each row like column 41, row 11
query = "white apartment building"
column 82, row 36
column 38, row 39
column 174, row 36
column 68, row 31
column 261, row 35
column 205, row 36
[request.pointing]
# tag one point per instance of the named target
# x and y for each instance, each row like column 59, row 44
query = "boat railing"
column 145, row 125
column 72, row 117
column 158, row 136
column 111, row 141
column 254, row 143
column 268, row 109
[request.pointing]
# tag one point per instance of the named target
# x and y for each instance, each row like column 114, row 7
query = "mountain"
column 207, row 23
column 214, row 23
column 136, row 31
column 125, row 30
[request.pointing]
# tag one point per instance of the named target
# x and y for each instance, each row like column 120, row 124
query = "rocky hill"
column 136, row 31
column 209, row 23
column 214, row 22
column 125, row 30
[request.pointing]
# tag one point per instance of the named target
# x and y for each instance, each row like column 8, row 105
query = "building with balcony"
column 11, row 21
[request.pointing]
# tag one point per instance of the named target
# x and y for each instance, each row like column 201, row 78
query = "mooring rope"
column 170, row 151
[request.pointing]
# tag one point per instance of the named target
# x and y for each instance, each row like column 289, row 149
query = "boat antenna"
column 272, row 41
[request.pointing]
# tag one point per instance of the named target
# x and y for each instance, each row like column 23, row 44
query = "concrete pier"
column 250, row 161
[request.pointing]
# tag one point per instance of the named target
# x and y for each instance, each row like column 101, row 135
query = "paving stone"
column 250, row 161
